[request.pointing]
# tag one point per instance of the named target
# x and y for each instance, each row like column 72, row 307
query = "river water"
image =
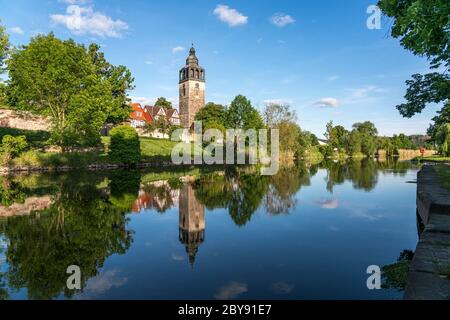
column 309, row 232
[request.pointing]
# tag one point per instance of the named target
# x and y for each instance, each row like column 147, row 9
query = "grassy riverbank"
column 444, row 175
column 437, row 158
column 151, row 150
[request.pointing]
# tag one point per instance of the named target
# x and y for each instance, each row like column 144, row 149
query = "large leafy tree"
column 164, row 103
column 58, row 79
column 368, row 133
column 242, row 115
column 4, row 46
column 212, row 116
column 423, row 27
column 120, row 80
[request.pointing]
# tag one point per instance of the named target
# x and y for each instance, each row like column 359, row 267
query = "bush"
column 11, row 147
column 125, row 146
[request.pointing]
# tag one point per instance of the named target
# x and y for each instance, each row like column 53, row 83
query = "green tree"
column 368, row 133
column 354, row 142
column 212, row 116
column 274, row 114
column 164, row 103
column 11, row 147
column 443, row 139
column 423, row 28
column 289, row 135
column 242, row 115
column 120, row 80
column 4, row 46
column 58, row 79
column 125, row 146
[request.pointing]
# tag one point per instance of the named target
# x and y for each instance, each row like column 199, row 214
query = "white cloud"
column 327, row 102
column 178, row 49
column 148, row 62
column 84, row 20
column 230, row 16
column 16, row 30
column 281, row 20
column 143, row 100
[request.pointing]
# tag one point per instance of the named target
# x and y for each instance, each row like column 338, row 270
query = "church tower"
column 192, row 89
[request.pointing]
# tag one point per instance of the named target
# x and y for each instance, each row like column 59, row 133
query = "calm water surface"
column 306, row 233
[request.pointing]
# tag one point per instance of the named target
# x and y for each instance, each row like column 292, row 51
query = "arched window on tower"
column 203, row 75
column 197, row 74
column 184, row 90
column 181, row 75
column 192, row 73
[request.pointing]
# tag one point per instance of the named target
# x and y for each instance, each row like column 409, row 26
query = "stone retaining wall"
column 429, row 275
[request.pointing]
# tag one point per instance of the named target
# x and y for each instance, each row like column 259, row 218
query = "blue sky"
column 318, row 56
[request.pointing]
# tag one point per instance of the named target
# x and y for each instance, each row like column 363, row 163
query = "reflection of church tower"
column 192, row 221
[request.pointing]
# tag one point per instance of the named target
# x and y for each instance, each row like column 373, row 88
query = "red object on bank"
column 422, row 151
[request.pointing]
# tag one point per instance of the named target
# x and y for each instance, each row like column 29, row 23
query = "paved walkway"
column 429, row 276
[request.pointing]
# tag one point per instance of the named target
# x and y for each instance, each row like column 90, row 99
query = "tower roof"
column 192, row 58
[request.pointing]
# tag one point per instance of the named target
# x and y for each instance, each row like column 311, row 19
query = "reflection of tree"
column 362, row 173
column 335, row 173
column 394, row 276
column 11, row 192
column 284, row 186
column 240, row 192
column 124, row 188
column 82, row 227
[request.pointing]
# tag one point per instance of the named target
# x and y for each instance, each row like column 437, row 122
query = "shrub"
column 11, row 147
column 125, row 146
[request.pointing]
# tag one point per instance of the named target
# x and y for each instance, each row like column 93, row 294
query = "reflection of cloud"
column 177, row 257
column 282, row 287
column 364, row 213
column 231, row 291
column 328, row 204
column 104, row 281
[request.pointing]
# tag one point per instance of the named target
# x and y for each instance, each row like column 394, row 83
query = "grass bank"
column 152, row 150
column 438, row 159
column 444, row 175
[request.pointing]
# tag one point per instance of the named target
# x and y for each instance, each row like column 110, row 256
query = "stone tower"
column 192, row 89
column 191, row 222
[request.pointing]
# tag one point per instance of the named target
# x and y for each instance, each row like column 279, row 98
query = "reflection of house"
column 139, row 117
column 191, row 221
column 161, row 198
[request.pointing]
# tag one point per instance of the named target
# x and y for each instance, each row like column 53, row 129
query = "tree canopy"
column 164, row 103
column 423, row 28
column 4, row 46
column 76, row 87
column 241, row 114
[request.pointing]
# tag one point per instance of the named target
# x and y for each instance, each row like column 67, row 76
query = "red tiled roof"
column 139, row 114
